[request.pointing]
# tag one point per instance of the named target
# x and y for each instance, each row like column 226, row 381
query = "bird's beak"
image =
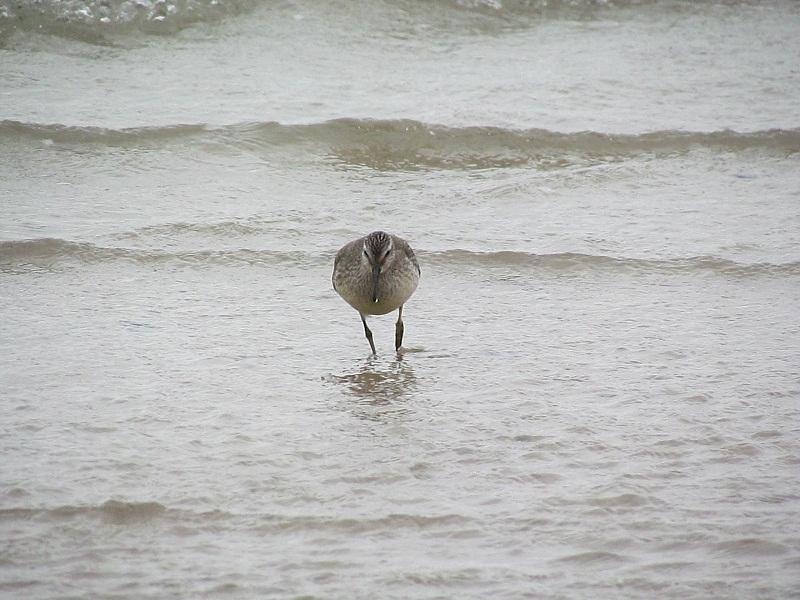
column 376, row 271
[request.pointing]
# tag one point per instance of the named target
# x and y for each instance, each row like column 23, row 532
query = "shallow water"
column 598, row 396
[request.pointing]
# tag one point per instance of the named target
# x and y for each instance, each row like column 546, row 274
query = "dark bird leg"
column 368, row 333
column 398, row 329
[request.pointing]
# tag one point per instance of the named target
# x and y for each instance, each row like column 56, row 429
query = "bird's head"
column 378, row 252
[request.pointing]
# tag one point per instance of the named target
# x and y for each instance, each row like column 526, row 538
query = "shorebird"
column 376, row 274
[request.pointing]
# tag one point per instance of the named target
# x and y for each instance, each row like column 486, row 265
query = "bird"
column 377, row 274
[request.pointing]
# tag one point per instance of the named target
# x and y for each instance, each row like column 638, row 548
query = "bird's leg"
column 368, row 333
column 398, row 330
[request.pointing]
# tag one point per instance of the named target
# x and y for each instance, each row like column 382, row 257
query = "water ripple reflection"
column 380, row 388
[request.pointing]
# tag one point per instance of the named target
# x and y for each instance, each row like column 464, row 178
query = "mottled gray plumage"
column 376, row 274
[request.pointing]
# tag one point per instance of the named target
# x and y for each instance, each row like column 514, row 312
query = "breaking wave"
column 92, row 20
column 100, row 21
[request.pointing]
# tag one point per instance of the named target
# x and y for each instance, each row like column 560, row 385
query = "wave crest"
column 113, row 510
column 51, row 254
column 410, row 144
column 577, row 262
column 22, row 256
column 92, row 20
column 98, row 21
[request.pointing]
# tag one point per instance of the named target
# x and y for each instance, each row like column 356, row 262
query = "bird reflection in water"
column 380, row 388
